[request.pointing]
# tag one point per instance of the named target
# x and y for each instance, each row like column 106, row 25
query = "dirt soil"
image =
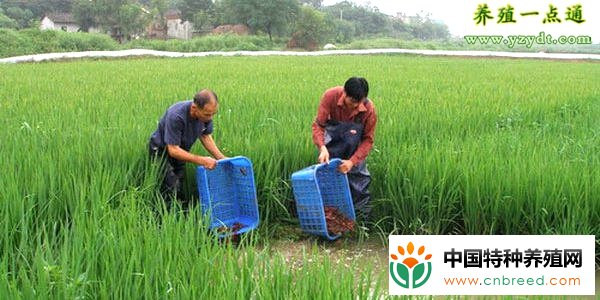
column 341, row 252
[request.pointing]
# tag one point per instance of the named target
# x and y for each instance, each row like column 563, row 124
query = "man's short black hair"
column 203, row 97
column 356, row 88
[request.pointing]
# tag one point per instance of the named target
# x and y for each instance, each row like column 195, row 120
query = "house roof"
column 173, row 14
column 61, row 18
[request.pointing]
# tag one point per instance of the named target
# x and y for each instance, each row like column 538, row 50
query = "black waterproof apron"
column 342, row 139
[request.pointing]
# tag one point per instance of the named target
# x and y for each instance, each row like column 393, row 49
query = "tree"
column 160, row 6
column 400, row 29
column 423, row 28
column 224, row 13
column 344, row 31
column 131, row 20
column 57, row 5
column 40, row 7
column 311, row 29
column 202, row 20
column 22, row 17
column 271, row 16
column 313, row 3
column 123, row 18
column 367, row 20
column 6, row 22
column 83, row 12
column 190, row 8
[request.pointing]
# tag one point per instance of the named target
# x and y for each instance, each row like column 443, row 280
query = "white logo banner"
column 491, row 265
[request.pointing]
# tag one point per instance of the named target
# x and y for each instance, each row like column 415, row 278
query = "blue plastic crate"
column 316, row 187
column 228, row 194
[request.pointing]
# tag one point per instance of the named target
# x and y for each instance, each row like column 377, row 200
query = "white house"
column 176, row 28
column 61, row 21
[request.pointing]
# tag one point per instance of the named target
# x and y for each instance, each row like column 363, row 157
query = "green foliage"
column 427, row 29
column 160, row 5
column 312, row 3
column 224, row 13
column 6, row 22
column 33, row 41
column 39, row 7
column 203, row 20
column 132, row 20
column 343, row 31
column 84, row 219
column 84, row 14
column 367, row 20
column 23, row 17
column 85, row 42
column 125, row 19
column 455, row 153
column 271, row 17
column 209, row 43
column 11, row 42
column 311, row 29
column 190, row 8
column 122, row 18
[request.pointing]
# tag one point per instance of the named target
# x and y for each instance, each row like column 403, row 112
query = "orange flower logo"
column 408, row 270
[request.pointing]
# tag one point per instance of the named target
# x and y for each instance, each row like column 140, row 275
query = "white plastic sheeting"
column 143, row 52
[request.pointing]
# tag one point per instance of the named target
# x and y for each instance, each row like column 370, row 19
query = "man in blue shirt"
column 178, row 129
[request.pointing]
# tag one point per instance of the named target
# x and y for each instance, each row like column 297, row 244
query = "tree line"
column 306, row 22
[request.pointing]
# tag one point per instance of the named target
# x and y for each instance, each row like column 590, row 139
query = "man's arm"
column 319, row 140
column 174, row 125
column 180, row 154
column 318, row 128
column 210, row 146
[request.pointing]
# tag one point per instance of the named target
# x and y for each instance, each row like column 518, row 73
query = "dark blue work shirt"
column 177, row 127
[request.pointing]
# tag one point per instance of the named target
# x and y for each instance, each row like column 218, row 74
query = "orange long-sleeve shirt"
column 332, row 108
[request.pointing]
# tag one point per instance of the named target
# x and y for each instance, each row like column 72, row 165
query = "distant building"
column 61, row 21
column 176, row 27
column 156, row 30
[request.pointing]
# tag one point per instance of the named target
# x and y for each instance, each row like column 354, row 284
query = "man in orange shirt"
column 345, row 129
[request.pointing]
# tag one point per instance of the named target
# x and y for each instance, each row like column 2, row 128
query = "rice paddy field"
column 463, row 146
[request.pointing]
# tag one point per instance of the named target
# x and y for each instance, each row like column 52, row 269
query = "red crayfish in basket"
column 337, row 222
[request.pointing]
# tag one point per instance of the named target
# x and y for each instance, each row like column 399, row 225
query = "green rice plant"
column 463, row 146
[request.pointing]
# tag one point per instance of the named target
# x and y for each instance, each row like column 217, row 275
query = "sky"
column 459, row 14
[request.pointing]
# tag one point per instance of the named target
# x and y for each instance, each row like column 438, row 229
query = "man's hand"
column 323, row 155
column 207, row 162
column 180, row 154
column 345, row 166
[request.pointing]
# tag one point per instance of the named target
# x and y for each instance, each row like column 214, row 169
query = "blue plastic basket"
column 316, row 187
column 228, row 194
